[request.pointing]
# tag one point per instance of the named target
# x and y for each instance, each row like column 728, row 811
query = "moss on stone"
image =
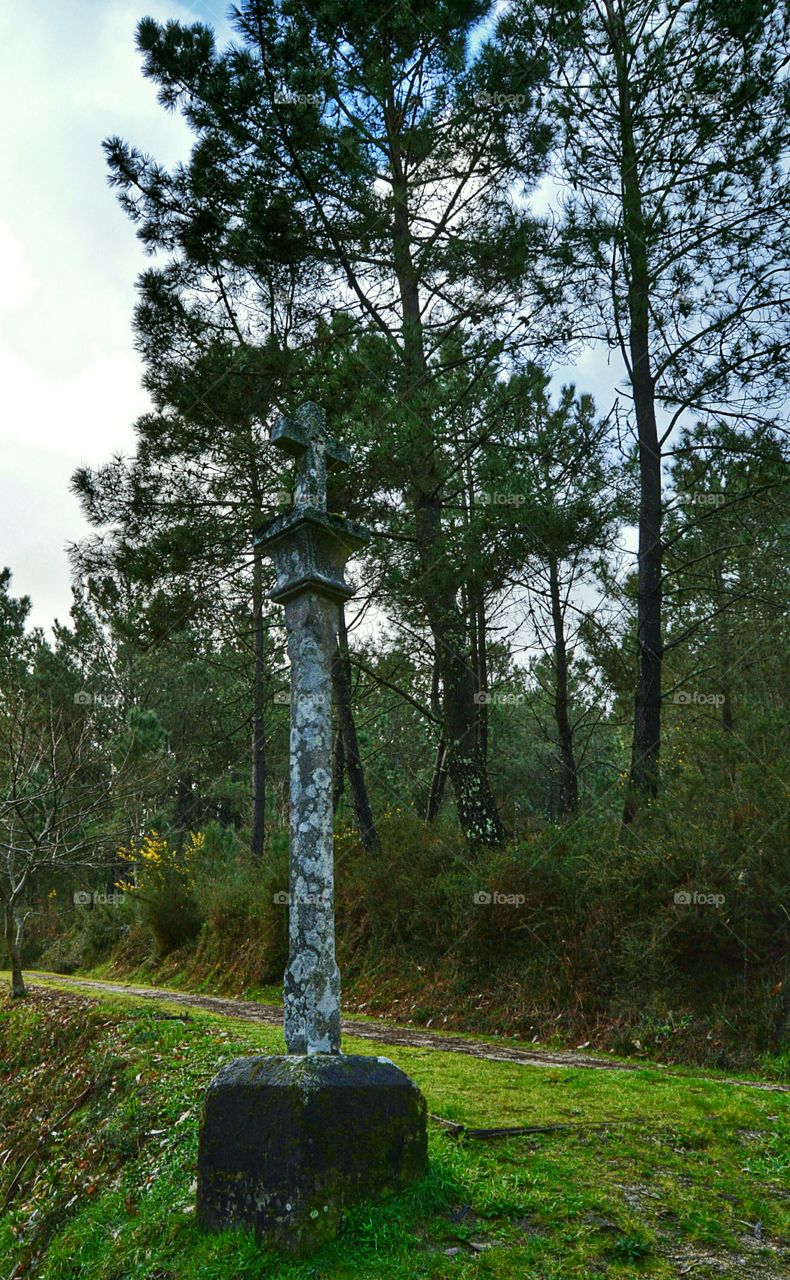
column 288, row 1143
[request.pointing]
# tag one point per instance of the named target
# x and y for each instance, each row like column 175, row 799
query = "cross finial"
column 306, row 439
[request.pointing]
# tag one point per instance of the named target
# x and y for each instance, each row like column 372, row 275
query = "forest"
column 530, row 260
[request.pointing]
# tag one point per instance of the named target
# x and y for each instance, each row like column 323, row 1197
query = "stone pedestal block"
column 287, row 1143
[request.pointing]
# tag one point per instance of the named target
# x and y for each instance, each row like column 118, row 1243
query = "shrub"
column 162, row 883
column 246, row 930
column 588, row 938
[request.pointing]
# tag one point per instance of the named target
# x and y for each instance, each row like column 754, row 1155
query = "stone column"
column 288, row 1144
column 310, row 549
column 311, row 993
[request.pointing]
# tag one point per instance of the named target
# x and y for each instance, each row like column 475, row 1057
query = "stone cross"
column 288, row 1144
column 306, row 438
column 310, row 549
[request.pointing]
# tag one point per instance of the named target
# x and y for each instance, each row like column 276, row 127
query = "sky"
column 70, row 76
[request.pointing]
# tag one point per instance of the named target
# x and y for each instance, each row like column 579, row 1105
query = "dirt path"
column 387, row 1033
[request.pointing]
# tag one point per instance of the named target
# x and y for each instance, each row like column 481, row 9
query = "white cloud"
column 69, row 260
column 51, row 427
column 14, row 271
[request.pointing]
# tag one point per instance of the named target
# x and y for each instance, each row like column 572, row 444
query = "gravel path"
column 386, row 1033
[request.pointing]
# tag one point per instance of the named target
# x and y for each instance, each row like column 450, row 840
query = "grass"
column 772, row 1067
column 177, row 979
column 683, row 1176
column 420, row 997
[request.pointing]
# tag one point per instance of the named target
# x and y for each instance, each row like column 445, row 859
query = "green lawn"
column 686, row 1176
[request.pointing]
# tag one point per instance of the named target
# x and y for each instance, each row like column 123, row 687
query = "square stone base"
column 287, row 1143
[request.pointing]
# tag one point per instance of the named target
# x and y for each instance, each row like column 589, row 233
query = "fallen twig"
column 462, row 1131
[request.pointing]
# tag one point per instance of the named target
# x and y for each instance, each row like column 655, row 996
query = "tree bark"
column 477, row 811
column 475, row 607
column 481, row 649
column 341, row 681
column 438, row 782
column 13, row 941
column 475, row 803
column 338, row 763
column 439, row 779
column 723, row 627
column 568, row 777
column 185, row 804
column 643, row 781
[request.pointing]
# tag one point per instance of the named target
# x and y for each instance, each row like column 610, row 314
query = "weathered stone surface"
column 311, row 986
column 310, row 549
column 306, row 438
column 288, row 1143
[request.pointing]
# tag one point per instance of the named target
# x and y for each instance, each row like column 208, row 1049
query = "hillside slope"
column 99, row 1105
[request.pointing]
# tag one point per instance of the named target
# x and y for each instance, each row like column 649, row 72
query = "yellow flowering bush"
column 152, row 860
column 161, row 879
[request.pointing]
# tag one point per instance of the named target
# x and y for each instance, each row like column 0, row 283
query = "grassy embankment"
column 671, row 945
column 657, row 1176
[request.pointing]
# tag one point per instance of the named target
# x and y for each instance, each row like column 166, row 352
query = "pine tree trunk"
column 184, row 815
column 643, row 781
column 568, row 779
column 474, row 601
column 646, row 745
column 338, row 765
column 438, row 782
column 439, row 779
column 341, row 681
column 474, row 799
column 13, row 940
column 466, row 767
column 482, row 675
column 723, row 628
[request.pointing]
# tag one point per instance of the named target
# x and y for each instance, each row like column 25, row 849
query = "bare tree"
column 57, row 796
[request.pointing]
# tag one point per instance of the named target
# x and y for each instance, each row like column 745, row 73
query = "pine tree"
column 674, row 133
column 359, row 157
